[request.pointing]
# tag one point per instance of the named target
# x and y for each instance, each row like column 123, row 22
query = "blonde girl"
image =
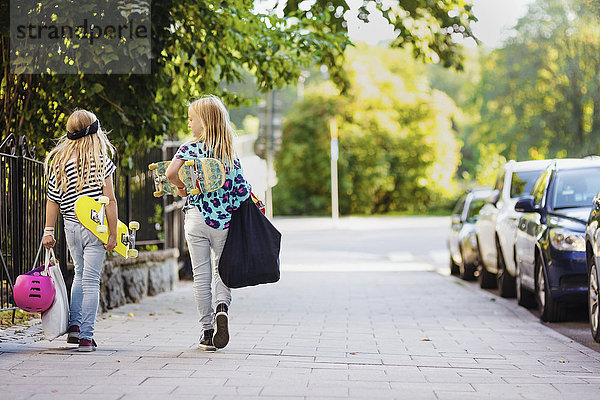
column 80, row 165
column 207, row 215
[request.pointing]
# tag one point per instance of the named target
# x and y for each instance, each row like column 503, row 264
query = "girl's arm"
column 51, row 214
column 173, row 176
column 111, row 213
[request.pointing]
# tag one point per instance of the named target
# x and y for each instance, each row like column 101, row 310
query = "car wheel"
column 487, row 280
column 454, row 268
column 525, row 298
column 593, row 302
column 550, row 309
column 465, row 271
column 505, row 281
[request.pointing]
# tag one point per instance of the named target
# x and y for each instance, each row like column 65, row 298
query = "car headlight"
column 563, row 239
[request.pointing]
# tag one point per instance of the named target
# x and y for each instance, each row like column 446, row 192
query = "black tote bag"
column 251, row 252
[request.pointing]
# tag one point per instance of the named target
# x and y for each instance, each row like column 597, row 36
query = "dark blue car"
column 550, row 244
column 592, row 251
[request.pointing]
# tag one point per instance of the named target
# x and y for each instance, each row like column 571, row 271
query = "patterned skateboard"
column 92, row 215
column 201, row 175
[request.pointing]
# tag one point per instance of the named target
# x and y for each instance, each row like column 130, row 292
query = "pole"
column 333, row 130
column 269, row 120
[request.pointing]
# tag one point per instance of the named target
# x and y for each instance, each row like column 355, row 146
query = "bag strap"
column 50, row 260
column 37, row 256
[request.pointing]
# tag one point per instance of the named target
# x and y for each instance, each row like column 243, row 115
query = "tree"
column 397, row 147
column 540, row 94
column 196, row 47
column 423, row 26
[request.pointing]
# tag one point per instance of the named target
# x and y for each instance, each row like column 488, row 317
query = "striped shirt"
column 67, row 199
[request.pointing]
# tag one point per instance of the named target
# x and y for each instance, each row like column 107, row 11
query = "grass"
column 21, row 317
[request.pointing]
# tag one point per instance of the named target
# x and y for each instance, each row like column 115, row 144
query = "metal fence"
column 22, row 213
column 23, row 204
column 161, row 219
column 135, row 201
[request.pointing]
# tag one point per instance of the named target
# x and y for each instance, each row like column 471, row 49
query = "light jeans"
column 205, row 243
column 88, row 255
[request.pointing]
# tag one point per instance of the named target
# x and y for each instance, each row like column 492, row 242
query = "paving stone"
column 388, row 335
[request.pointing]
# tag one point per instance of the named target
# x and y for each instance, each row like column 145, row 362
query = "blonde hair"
column 94, row 147
column 217, row 133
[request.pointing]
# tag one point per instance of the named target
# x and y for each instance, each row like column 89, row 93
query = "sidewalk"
column 384, row 335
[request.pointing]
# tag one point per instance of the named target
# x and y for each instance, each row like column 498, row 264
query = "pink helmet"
column 34, row 292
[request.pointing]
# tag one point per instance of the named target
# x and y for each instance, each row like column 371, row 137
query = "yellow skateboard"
column 201, row 175
column 92, row 215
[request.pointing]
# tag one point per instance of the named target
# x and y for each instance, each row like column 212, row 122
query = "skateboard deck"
column 201, row 175
column 89, row 211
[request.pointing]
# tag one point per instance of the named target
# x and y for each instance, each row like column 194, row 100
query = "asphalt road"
column 388, row 244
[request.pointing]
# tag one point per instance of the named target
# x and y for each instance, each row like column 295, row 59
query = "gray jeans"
column 206, row 243
column 88, row 255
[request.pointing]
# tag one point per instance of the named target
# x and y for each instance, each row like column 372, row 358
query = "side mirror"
column 494, row 197
column 456, row 219
column 526, row 204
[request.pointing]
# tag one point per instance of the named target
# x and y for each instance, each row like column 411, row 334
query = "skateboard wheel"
column 132, row 253
column 103, row 200
column 158, row 193
column 195, row 191
column 134, row 225
column 101, row 229
column 153, row 166
column 189, row 163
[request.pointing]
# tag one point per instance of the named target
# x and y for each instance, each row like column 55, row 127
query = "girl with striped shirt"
column 80, row 165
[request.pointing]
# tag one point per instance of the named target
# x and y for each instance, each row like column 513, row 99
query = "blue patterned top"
column 217, row 206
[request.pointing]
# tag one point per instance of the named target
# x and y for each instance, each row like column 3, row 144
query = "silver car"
column 497, row 224
column 462, row 243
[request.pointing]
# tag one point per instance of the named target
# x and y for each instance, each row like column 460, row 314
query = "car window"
column 576, row 187
column 474, row 209
column 459, row 206
column 539, row 188
column 523, row 182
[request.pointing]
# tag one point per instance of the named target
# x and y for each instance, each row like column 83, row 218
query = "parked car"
column 462, row 243
column 550, row 245
column 592, row 250
column 497, row 224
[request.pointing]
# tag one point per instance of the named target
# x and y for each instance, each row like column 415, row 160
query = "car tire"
column 550, row 309
column 505, row 281
column 454, row 268
column 525, row 298
column 465, row 271
column 593, row 304
column 487, row 280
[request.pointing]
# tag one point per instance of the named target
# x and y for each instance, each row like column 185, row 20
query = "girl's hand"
column 112, row 243
column 48, row 242
column 182, row 191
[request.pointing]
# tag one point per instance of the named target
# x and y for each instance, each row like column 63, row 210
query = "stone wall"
column 127, row 281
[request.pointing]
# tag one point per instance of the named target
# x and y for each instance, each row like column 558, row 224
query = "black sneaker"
column 73, row 334
column 221, row 336
column 206, row 342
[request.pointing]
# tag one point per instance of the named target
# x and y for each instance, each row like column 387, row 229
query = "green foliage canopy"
column 425, row 27
column 197, row 46
column 539, row 95
column 397, row 147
